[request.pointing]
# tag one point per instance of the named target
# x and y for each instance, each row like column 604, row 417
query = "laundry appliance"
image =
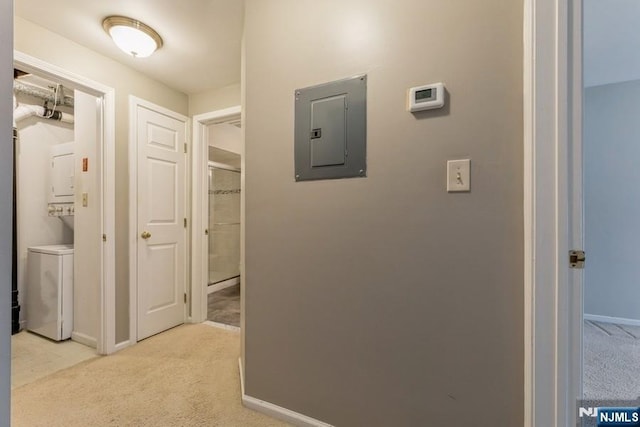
column 49, row 291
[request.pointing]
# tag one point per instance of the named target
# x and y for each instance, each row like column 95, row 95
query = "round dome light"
column 132, row 36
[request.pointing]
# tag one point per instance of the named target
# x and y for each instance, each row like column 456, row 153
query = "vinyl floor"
column 34, row 357
column 224, row 306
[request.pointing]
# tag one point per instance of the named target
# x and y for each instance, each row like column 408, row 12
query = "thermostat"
column 426, row 97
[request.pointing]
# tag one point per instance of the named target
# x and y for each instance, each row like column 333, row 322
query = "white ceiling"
column 611, row 41
column 201, row 37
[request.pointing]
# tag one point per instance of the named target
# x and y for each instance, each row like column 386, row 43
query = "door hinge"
column 104, row 237
column 185, row 148
column 577, row 259
column 185, row 223
column 185, row 297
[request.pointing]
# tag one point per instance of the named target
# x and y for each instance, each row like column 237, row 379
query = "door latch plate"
column 316, row 133
column 577, row 259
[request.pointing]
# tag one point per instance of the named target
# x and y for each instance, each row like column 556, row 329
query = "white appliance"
column 49, row 299
column 61, row 196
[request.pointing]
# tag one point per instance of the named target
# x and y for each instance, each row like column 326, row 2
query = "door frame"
column 134, row 103
column 200, row 209
column 552, row 210
column 106, row 337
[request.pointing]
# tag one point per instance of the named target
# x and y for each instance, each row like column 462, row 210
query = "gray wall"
column 612, row 199
column 6, row 177
column 386, row 301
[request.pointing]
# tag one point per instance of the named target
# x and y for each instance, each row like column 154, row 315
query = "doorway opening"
column 223, row 290
column 217, row 218
column 63, row 148
column 610, row 134
column 561, row 168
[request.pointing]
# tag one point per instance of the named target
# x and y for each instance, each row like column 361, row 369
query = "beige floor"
column 187, row 376
column 34, row 357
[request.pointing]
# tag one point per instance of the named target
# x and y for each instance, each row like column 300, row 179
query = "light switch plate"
column 459, row 175
column 85, row 199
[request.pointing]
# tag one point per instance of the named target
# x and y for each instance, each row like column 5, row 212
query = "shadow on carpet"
column 187, row 376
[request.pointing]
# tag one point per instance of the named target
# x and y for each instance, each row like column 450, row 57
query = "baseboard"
column 222, row 285
column 122, row 345
column 221, row 326
column 241, row 375
column 609, row 319
column 84, row 339
column 276, row 411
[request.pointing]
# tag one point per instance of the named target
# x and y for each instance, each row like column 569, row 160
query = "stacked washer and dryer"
column 49, row 286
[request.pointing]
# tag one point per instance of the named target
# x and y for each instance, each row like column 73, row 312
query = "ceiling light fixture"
column 132, row 36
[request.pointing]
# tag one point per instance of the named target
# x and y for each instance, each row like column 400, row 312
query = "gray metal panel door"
column 331, row 130
column 329, row 122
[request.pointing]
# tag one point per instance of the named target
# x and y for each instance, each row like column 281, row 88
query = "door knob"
column 145, row 235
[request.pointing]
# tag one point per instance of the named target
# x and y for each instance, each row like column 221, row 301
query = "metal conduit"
column 47, row 95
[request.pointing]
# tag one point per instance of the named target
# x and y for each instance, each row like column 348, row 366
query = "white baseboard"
column 241, row 375
column 84, row 339
column 122, row 345
column 222, row 285
column 276, row 411
column 222, row 326
column 609, row 319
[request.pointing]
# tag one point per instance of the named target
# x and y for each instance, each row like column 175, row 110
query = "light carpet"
column 611, row 361
column 187, row 376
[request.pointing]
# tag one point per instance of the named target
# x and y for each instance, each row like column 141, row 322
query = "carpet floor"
column 187, row 376
column 611, row 361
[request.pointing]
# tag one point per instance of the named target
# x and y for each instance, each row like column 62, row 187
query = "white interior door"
column 161, row 225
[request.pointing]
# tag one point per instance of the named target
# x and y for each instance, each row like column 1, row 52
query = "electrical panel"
column 331, row 130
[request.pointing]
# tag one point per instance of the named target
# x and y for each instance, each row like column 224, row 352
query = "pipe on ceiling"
column 38, row 92
column 22, row 111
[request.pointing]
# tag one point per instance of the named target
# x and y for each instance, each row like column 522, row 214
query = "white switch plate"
column 458, row 175
column 85, row 199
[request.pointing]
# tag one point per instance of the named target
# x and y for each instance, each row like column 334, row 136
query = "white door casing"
column 160, row 232
column 552, row 210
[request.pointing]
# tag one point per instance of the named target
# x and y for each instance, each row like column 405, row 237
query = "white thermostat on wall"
column 426, row 97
